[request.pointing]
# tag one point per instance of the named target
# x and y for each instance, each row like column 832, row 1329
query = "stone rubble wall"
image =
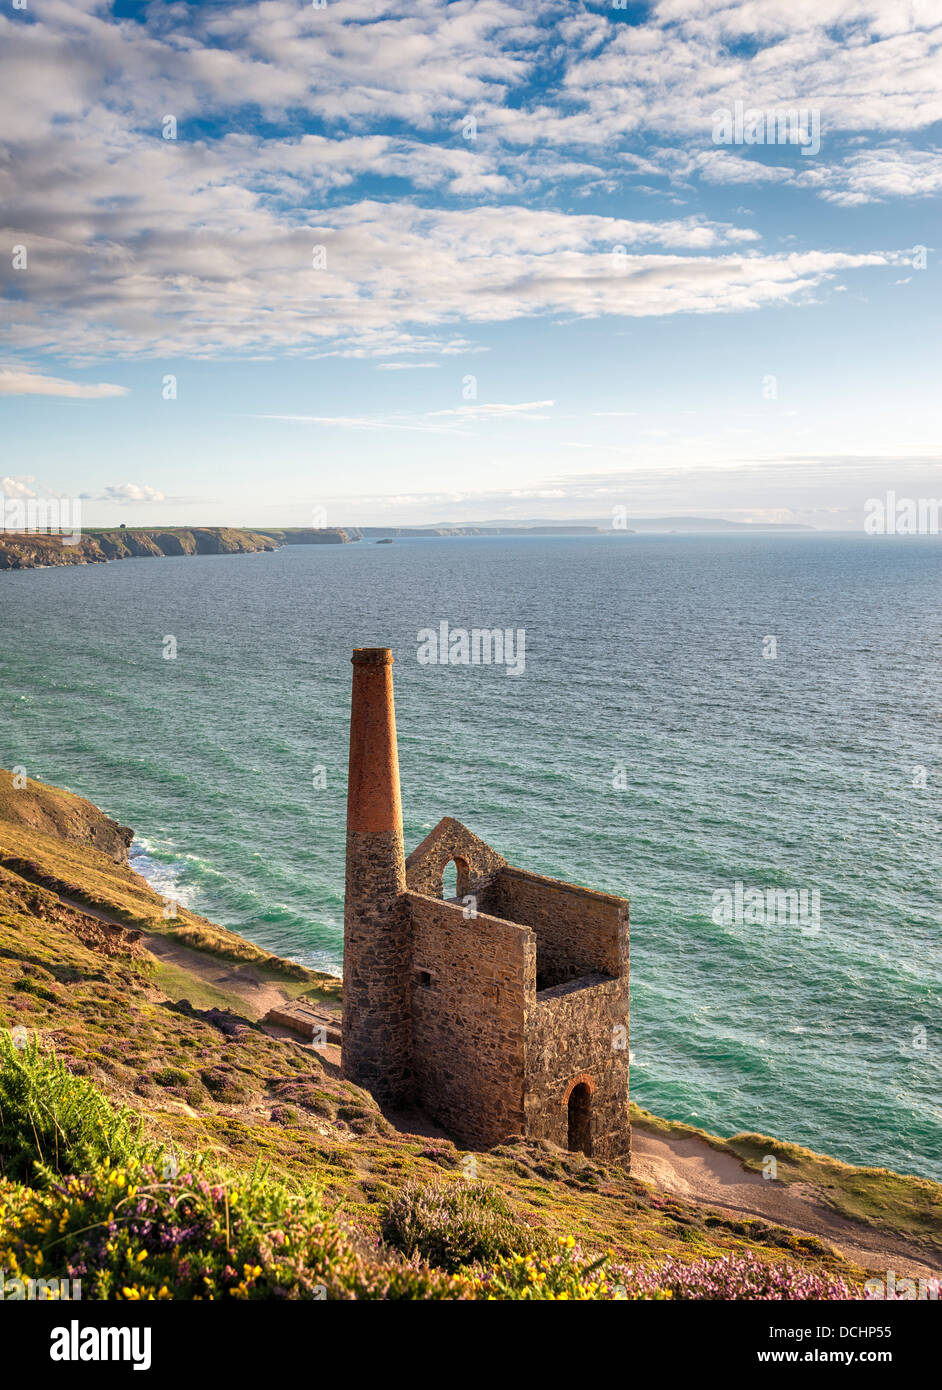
column 572, row 1032
column 579, row 932
column 468, row 1022
column 474, row 859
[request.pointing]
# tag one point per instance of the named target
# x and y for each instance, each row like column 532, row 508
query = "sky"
column 386, row 262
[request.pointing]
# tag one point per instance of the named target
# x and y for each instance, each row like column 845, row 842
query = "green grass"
column 179, row 983
column 53, row 1123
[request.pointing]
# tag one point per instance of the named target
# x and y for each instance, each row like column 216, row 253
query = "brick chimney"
column 376, row 926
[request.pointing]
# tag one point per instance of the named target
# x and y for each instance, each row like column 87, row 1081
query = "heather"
column 454, row 1223
column 730, row 1277
column 138, row 1233
column 87, row 1196
column 133, row 1232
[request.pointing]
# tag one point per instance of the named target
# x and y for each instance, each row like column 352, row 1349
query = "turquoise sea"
column 649, row 749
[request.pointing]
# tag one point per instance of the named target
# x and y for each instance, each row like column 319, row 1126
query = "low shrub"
column 453, row 1224
column 171, row 1076
column 729, row 1277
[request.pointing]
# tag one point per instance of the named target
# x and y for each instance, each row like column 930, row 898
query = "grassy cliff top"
column 82, row 972
column 57, row 840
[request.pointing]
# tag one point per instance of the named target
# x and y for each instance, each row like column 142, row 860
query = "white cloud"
column 132, row 492
column 203, row 245
column 406, row 366
column 16, row 382
column 18, row 487
column 248, row 283
column 893, row 171
column 496, row 410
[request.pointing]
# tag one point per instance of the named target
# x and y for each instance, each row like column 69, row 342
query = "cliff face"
column 313, row 535
column 53, row 811
column 19, row 550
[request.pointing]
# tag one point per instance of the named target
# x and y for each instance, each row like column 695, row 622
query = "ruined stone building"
column 500, row 1011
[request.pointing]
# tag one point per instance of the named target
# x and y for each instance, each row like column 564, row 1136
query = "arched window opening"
column 580, row 1120
column 450, row 880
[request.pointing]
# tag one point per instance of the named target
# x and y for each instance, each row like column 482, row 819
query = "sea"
column 739, row 733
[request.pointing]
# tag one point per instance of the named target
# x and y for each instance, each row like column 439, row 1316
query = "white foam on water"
column 163, row 876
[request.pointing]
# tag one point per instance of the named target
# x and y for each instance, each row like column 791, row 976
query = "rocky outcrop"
column 54, row 811
column 19, row 550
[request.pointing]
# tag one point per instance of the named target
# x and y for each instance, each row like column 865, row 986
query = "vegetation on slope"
column 50, row 837
column 95, row 1202
column 253, row 1138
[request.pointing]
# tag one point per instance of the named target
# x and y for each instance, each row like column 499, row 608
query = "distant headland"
column 37, row 550
column 28, row 550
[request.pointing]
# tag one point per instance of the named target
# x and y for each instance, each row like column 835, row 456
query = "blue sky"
column 544, row 289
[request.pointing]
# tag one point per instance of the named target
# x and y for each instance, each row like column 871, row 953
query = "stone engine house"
column 501, row 1011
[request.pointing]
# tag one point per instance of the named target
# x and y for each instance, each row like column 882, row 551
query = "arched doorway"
column 579, row 1115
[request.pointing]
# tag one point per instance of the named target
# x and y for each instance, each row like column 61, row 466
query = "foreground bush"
column 454, row 1224
column 129, row 1232
column 54, row 1123
column 566, row 1275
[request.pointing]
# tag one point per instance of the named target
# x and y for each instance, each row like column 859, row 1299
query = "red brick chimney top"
column 372, row 656
column 373, row 798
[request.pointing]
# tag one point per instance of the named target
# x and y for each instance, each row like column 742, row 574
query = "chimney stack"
column 376, row 926
column 373, row 800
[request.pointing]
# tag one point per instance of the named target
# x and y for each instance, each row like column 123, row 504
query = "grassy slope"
column 220, row 1085
column 31, row 848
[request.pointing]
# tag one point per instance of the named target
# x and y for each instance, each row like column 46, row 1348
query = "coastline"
column 35, row 550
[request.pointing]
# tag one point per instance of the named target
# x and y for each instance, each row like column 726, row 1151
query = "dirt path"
column 691, row 1168
column 258, row 994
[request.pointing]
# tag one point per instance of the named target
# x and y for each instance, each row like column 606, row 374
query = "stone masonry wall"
column 578, row 931
column 570, row 1035
column 468, row 1019
column 450, row 840
column 376, row 1026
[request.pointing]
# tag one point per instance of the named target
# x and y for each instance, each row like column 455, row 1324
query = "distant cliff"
column 424, row 532
column 22, row 550
column 313, row 535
